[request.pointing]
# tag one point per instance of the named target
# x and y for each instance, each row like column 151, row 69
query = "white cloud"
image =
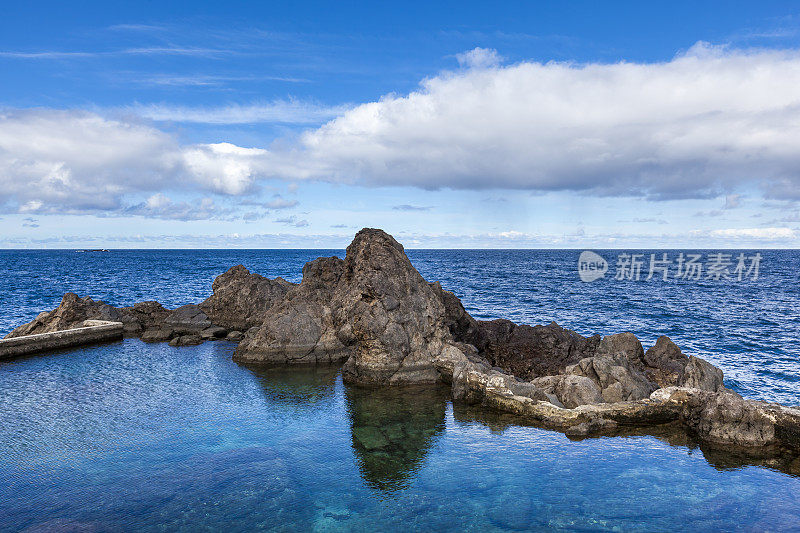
column 292, row 221
column 479, row 58
column 409, row 207
column 223, row 167
column 143, row 51
column 689, row 127
column 695, row 126
column 279, row 203
column 75, row 162
column 72, row 161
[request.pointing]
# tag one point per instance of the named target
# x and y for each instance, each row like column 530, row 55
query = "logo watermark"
column 591, row 266
column 716, row 266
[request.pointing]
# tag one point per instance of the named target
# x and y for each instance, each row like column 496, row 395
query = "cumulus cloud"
column 223, row 167
column 479, row 58
column 696, row 126
column 66, row 162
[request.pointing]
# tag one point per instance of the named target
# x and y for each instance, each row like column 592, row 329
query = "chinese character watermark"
column 716, row 266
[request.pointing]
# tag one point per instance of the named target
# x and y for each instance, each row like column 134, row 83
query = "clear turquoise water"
column 129, row 436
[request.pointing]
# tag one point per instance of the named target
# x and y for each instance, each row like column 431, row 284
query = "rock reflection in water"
column 298, row 387
column 721, row 458
column 392, row 431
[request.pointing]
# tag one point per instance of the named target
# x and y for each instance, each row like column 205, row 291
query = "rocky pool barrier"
column 375, row 314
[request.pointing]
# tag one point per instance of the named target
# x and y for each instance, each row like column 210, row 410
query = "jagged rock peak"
column 372, row 236
column 388, row 313
column 241, row 298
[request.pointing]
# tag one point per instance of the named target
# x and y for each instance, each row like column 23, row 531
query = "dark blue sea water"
column 128, row 436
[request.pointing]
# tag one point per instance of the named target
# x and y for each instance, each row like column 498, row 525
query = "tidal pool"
column 130, row 436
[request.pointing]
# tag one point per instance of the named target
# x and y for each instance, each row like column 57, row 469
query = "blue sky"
column 569, row 124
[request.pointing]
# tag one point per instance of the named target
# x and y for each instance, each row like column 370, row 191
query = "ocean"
column 129, row 436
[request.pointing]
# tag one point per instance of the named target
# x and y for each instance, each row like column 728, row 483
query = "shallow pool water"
column 132, row 436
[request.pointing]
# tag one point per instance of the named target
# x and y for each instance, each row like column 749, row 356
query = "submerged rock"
column 158, row 335
column 186, row 340
column 392, row 431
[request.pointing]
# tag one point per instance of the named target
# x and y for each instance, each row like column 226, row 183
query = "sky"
column 449, row 125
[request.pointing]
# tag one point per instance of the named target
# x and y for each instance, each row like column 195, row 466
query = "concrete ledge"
column 92, row 331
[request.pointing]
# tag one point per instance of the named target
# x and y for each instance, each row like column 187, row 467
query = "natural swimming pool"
column 131, row 435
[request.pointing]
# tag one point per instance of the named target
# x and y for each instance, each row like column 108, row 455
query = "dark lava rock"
column 388, row 313
column 186, row 340
column 461, row 325
column 531, row 351
column 148, row 315
column 241, row 299
column 188, row 319
column 700, row 374
column 299, row 329
column 570, row 390
column 234, row 336
column 157, row 335
column 666, row 362
column 214, row 332
column 373, row 309
column 617, row 378
column 73, row 311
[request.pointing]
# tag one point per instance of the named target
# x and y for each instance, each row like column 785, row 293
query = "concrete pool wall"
column 93, row 331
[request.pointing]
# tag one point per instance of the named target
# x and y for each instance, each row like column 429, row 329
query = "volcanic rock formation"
column 241, row 299
column 375, row 313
